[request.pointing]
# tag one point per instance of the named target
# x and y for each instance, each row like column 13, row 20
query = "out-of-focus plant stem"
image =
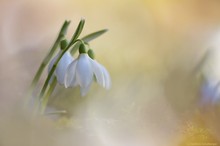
column 46, row 60
column 72, row 42
column 47, row 95
column 50, row 54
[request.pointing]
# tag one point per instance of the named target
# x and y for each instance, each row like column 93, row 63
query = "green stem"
column 46, row 60
column 56, row 112
column 43, row 97
column 47, row 95
column 72, row 42
column 53, row 69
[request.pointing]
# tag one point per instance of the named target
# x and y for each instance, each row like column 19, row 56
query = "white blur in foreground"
column 210, row 71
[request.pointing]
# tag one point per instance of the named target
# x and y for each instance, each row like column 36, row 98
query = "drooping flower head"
column 83, row 70
column 101, row 74
column 62, row 65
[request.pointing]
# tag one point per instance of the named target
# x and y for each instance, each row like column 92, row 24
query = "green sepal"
column 94, row 35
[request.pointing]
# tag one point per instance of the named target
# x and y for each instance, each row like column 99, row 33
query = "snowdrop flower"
column 83, row 70
column 211, row 72
column 61, row 67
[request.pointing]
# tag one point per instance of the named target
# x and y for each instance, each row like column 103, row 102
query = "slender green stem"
column 74, row 48
column 53, row 69
column 77, row 32
column 72, row 42
column 47, row 95
column 46, row 60
column 56, row 112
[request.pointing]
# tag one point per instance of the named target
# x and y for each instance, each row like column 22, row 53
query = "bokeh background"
column 151, row 51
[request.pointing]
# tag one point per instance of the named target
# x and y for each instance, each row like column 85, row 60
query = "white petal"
column 107, row 78
column 208, row 91
column 84, row 73
column 97, row 69
column 62, row 67
column 70, row 74
column 74, row 81
column 216, row 96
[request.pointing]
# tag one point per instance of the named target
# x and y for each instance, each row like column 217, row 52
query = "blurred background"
column 152, row 50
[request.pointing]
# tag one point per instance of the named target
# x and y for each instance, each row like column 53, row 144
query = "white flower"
column 82, row 72
column 210, row 71
column 61, row 67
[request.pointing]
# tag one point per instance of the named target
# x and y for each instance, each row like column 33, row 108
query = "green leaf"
column 46, row 60
column 46, row 97
column 94, row 35
column 64, row 28
column 77, row 32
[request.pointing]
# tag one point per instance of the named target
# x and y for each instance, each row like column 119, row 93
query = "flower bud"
column 63, row 44
column 82, row 48
column 91, row 54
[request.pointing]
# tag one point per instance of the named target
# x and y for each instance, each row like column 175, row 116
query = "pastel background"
column 151, row 50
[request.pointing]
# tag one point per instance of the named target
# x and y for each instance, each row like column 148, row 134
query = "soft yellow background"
column 150, row 51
